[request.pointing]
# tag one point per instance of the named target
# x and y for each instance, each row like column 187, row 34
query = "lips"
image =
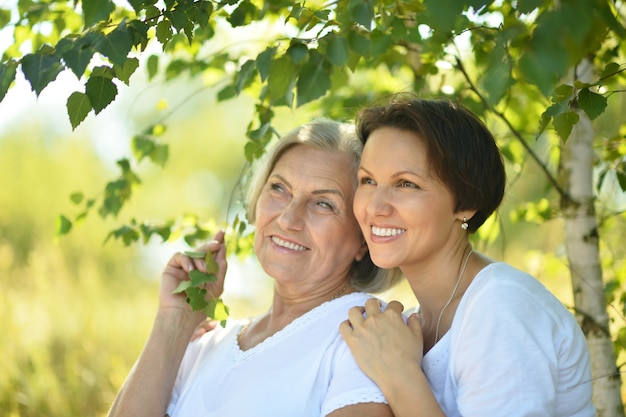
column 386, row 231
column 288, row 245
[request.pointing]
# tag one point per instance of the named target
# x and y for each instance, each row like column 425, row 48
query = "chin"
column 384, row 263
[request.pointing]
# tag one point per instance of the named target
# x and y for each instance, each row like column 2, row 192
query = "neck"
column 434, row 279
column 284, row 310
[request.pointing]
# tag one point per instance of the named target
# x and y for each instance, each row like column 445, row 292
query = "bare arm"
column 147, row 390
column 363, row 410
column 390, row 352
column 148, row 387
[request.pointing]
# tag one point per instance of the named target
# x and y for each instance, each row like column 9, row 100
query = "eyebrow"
column 316, row 191
column 396, row 174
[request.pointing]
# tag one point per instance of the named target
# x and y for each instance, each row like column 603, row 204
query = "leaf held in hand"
column 211, row 264
column 217, row 310
column 195, row 254
column 199, row 277
column 182, row 287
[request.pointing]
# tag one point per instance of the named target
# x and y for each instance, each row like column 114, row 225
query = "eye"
column 366, row 181
column 278, row 187
column 327, row 205
column 407, row 184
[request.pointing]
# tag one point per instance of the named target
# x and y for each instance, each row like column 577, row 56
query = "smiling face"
column 406, row 213
column 305, row 230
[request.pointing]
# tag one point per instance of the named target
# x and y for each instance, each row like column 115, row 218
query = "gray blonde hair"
column 334, row 136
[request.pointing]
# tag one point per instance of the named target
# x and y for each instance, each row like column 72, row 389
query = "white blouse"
column 305, row 369
column 513, row 350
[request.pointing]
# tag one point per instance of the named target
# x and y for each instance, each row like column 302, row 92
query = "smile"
column 288, row 245
column 385, row 231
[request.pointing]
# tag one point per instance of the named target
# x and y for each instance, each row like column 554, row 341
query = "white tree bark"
column 582, row 246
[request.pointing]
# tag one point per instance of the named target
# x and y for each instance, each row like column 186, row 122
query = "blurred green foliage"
column 74, row 311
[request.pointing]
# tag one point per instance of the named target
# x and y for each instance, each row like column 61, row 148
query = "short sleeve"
column 348, row 384
column 512, row 340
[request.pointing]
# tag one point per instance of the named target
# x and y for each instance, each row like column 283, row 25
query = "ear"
column 465, row 214
column 361, row 252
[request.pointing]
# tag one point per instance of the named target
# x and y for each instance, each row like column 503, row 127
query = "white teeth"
column 287, row 245
column 383, row 231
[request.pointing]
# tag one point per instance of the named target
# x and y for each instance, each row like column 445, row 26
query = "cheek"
column 358, row 206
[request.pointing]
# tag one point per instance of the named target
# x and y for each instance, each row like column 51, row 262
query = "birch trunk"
column 581, row 243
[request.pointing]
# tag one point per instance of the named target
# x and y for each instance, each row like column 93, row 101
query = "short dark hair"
column 462, row 152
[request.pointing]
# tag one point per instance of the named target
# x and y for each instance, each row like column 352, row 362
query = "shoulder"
column 501, row 284
column 504, row 297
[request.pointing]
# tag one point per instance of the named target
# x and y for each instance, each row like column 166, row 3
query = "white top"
column 513, row 350
column 305, row 369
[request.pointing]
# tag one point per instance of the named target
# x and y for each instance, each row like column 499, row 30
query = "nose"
column 379, row 202
column 291, row 216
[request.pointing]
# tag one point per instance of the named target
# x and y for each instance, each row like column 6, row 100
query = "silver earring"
column 464, row 225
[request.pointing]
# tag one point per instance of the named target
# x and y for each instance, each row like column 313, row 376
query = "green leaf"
column 610, row 69
column 124, row 71
column 101, row 92
column 443, row 14
column 182, row 287
column 78, row 107
column 593, row 104
column 359, row 43
column 195, row 254
column 264, row 62
column 298, row 52
column 527, row 6
column 313, row 82
column 116, row 45
column 128, row 235
column 141, row 146
column 362, row 12
column 381, row 42
column 564, row 122
column 217, row 310
column 337, row 52
column 497, row 81
column 178, row 19
column 138, row 32
column 280, row 79
column 5, row 17
column 76, row 197
column 41, row 68
column 211, row 264
column 200, row 278
column 245, row 75
column 164, row 31
column 77, row 52
column 540, row 70
column 563, row 93
column 152, row 66
column 96, row 11
column 7, row 76
column 195, row 298
column 63, row 226
column 160, row 154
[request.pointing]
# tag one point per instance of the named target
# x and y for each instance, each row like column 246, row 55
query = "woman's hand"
column 178, row 269
column 381, row 342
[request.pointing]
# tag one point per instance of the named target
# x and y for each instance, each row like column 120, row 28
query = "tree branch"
column 551, row 179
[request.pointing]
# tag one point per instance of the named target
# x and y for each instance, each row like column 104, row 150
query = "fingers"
column 415, row 324
column 204, row 327
column 395, row 306
column 372, row 306
column 355, row 315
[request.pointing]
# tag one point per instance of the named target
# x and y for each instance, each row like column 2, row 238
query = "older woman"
column 489, row 340
column 290, row 361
